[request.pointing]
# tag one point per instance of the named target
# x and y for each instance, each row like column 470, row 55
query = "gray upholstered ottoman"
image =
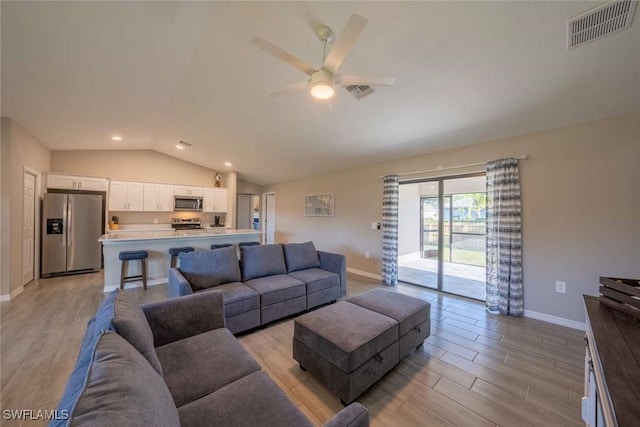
column 412, row 314
column 350, row 345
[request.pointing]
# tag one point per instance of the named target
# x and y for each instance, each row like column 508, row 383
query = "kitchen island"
column 157, row 243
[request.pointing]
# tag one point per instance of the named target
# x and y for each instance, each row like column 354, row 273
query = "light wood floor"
column 476, row 369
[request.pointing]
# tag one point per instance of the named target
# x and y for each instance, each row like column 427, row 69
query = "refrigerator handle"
column 69, row 232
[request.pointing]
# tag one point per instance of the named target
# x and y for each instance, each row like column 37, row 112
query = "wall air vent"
column 601, row 21
column 359, row 91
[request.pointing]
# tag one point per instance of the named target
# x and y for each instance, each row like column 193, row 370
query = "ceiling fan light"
column 322, row 90
column 322, row 84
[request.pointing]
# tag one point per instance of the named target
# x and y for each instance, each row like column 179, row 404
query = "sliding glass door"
column 442, row 224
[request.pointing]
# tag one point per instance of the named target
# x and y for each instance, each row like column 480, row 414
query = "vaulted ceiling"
column 76, row 73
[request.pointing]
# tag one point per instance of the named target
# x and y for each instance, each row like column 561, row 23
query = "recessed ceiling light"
column 227, row 163
column 116, row 138
column 181, row 145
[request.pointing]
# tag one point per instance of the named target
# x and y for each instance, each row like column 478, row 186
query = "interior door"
column 244, row 212
column 28, row 226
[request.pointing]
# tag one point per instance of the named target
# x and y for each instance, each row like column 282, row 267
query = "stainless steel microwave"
column 187, row 203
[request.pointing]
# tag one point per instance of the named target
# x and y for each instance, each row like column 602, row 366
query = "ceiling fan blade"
column 281, row 54
column 290, row 88
column 353, row 79
column 344, row 43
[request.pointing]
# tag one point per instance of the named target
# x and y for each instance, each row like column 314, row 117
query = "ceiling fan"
column 321, row 81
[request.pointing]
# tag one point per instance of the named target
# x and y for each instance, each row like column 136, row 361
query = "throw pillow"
column 301, row 256
column 263, row 260
column 205, row 269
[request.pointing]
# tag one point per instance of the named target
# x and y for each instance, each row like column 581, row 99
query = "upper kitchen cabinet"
column 126, row 196
column 185, row 190
column 69, row 182
column 158, row 197
column 214, row 200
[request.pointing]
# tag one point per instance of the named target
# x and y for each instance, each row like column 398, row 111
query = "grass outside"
column 461, row 256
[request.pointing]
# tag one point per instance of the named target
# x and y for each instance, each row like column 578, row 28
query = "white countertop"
column 128, row 236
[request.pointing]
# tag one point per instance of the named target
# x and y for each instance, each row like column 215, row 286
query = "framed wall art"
column 319, row 205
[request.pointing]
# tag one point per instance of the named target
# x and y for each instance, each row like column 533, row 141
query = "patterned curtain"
column 504, row 239
column 390, row 196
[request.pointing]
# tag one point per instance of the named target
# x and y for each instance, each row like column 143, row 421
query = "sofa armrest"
column 183, row 317
column 336, row 263
column 354, row 415
column 178, row 285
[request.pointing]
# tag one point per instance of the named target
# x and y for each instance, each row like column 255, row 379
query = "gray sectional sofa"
column 173, row 363
column 268, row 283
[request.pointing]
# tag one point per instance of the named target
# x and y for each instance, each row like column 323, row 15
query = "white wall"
column 409, row 220
column 580, row 196
column 132, row 165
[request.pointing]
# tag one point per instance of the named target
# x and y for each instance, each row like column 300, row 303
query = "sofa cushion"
column 119, row 387
column 261, row 261
column 300, row 256
column 204, row 269
column 75, row 385
column 121, row 313
column 238, row 298
column 278, row 288
column 254, row 400
column 317, row 279
column 201, row 364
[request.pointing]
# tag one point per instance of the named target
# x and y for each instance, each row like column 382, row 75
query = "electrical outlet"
column 561, row 287
column 374, row 225
column 366, row 255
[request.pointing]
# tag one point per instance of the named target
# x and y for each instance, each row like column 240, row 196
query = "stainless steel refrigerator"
column 71, row 226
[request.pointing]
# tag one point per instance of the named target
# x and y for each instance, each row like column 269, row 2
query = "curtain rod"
column 523, row 157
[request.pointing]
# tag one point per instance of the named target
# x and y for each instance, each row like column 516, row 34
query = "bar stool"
column 241, row 244
column 220, row 245
column 174, row 252
column 125, row 257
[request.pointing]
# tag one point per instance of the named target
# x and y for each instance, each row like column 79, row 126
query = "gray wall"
column 580, row 196
column 18, row 149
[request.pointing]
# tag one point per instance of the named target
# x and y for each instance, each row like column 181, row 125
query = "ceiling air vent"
column 600, row 22
column 359, row 91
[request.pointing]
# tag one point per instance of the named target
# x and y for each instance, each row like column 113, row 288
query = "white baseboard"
column 136, row 284
column 15, row 293
column 527, row 313
column 555, row 320
column 364, row 273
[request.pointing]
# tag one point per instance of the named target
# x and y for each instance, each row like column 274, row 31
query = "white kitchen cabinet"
column 214, row 200
column 220, row 204
column 126, row 196
column 69, row 182
column 208, row 199
column 186, row 190
column 158, row 197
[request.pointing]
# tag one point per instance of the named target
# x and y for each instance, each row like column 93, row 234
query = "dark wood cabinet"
column 612, row 367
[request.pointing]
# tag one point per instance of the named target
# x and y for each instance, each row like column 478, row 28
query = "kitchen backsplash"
column 162, row 217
